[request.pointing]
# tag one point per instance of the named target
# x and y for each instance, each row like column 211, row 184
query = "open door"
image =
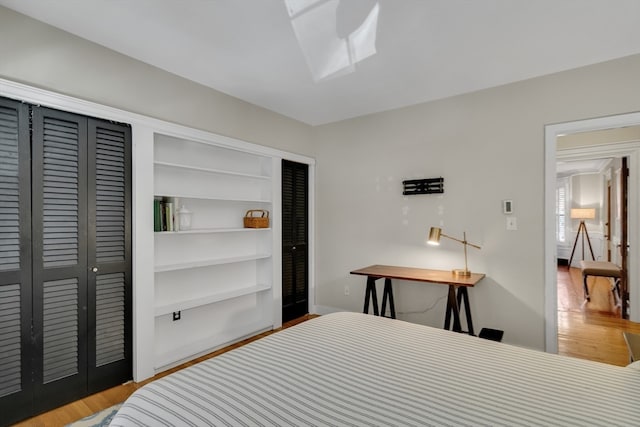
column 607, row 224
column 624, row 238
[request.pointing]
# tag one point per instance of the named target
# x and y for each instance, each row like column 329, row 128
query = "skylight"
column 328, row 54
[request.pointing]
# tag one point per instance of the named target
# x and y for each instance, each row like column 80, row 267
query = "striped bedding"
column 352, row 369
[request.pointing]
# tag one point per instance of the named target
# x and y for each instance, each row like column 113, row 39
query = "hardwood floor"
column 99, row 401
column 590, row 330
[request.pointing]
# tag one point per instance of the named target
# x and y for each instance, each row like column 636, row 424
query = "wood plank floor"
column 91, row 404
column 590, row 330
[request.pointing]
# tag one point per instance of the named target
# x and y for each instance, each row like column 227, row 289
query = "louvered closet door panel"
column 109, row 253
column 60, row 334
column 294, row 240
column 15, row 261
column 110, row 321
column 287, row 205
column 59, row 255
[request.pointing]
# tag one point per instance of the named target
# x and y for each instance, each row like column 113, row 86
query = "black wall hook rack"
column 423, row 186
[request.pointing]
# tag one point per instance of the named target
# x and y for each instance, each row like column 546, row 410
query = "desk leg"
column 388, row 293
column 463, row 297
column 452, row 308
column 370, row 292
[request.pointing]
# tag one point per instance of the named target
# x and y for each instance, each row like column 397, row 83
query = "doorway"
column 631, row 150
column 595, row 197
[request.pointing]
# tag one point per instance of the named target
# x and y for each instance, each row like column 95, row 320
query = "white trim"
column 323, row 310
column 631, row 149
column 75, row 105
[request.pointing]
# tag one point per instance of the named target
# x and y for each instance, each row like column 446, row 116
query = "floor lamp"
column 582, row 214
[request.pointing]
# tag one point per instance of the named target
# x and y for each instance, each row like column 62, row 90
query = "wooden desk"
column 454, row 300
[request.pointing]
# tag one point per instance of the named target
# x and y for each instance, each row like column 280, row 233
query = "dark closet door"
column 60, row 269
column 15, row 260
column 65, row 258
column 295, row 234
column 109, row 255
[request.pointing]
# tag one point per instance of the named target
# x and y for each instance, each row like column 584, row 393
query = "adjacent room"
column 319, row 212
column 593, row 195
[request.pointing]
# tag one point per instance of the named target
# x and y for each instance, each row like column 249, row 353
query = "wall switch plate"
column 346, row 290
column 176, row 315
column 512, row 224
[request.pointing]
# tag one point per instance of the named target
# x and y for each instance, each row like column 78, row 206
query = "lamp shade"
column 583, row 213
column 434, row 236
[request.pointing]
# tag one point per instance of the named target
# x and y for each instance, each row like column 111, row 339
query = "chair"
column 601, row 269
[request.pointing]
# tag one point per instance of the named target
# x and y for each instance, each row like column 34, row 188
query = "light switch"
column 512, row 224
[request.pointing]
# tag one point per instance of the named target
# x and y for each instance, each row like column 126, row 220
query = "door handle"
column 94, row 269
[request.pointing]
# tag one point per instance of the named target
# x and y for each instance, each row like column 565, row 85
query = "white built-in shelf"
column 231, row 333
column 220, row 199
column 210, row 170
column 186, row 304
column 208, row 262
column 214, row 230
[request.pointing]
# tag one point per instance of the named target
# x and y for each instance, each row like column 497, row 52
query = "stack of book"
column 164, row 214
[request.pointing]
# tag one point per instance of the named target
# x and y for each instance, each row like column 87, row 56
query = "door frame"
column 629, row 149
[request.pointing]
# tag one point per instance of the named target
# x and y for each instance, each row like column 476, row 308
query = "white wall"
column 488, row 146
column 42, row 56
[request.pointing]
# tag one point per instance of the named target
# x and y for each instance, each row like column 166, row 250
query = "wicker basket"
column 252, row 221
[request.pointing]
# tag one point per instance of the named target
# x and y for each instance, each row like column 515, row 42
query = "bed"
column 353, row 369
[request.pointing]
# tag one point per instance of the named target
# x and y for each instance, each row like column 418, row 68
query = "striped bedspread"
column 351, row 369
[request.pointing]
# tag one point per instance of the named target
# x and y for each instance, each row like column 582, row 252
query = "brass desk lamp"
column 434, row 239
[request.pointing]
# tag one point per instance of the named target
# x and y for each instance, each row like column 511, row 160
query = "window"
column 561, row 209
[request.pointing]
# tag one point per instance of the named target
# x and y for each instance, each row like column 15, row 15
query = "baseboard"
column 323, row 309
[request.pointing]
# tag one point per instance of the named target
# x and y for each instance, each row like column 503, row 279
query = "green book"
column 157, row 216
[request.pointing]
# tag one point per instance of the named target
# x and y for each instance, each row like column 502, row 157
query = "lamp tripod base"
column 459, row 272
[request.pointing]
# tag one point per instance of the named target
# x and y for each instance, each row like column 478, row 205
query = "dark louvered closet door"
column 109, row 254
column 15, row 260
column 59, row 209
column 295, row 266
column 65, row 258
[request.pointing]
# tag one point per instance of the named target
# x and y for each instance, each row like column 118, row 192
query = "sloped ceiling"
column 320, row 61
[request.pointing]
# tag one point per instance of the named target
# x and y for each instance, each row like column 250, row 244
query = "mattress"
column 352, row 369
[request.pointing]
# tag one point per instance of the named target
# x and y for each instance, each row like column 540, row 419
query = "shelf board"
column 208, row 262
column 214, row 230
column 210, row 170
column 186, row 304
column 221, row 199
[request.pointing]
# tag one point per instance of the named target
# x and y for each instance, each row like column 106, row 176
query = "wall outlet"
column 176, row 315
column 346, row 290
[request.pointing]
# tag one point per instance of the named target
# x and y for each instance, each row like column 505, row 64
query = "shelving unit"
column 209, row 299
column 216, row 230
column 208, row 262
column 218, row 274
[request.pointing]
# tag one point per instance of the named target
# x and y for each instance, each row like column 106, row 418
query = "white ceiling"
column 414, row 50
